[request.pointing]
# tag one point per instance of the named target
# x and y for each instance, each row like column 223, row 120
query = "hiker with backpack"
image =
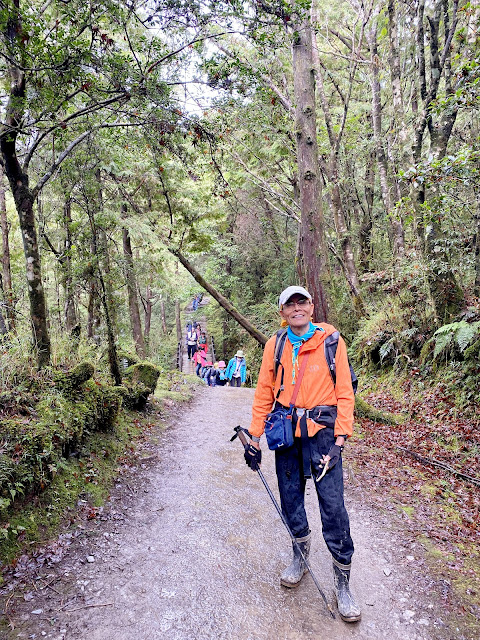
column 304, row 405
column 191, row 341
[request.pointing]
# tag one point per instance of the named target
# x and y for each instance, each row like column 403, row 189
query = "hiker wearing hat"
column 236, row 372
column 297, row 391
column 217, row 376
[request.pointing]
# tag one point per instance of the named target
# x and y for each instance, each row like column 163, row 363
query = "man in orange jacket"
column 322, row 421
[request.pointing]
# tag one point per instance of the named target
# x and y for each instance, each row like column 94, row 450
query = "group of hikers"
column 233, row 374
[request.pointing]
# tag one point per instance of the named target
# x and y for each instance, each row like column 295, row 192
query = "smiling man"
column 321, row 417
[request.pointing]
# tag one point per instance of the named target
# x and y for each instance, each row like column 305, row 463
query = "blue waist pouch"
column 279, row 429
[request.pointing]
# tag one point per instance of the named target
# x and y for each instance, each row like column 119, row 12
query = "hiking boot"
column 347, row 607
column 292, row 575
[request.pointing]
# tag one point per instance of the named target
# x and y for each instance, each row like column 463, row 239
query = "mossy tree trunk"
column 6, row 270
column 71, row 320
column 312, row 231
column 133, row 306
column 23, row 196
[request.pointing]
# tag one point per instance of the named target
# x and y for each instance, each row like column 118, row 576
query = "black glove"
column 253, row 456
column 334, row 455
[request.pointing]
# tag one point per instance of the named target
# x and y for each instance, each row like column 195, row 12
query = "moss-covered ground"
column 82, row 481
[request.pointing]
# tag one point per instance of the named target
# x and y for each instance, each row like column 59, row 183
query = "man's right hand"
column 253, row 455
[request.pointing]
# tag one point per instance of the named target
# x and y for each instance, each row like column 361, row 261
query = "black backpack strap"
column 330, row 346
column 279, row 346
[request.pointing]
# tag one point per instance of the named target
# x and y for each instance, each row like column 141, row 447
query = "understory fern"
column 457, row 334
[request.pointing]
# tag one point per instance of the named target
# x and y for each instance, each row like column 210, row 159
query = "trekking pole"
column 240, row 433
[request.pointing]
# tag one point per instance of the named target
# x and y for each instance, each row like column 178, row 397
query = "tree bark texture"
column 222, row 301
column 133, row 306
column 6, row 270
column 312, row 231
column 19, row 185
column 178, row 321
column 71, row 320
column 396, row 226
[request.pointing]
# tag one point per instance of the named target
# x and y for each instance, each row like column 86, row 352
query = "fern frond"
column 442, row 340
column 385, row 349
column 464, row 335
column 461, row 333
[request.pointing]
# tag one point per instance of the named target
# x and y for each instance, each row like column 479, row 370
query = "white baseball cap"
column 289, row 292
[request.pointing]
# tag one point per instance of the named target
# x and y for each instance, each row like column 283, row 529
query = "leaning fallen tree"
column 222, row 301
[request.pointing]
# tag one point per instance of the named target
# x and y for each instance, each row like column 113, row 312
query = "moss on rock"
column 140, row 380
column 67, row 381
column 32, row 449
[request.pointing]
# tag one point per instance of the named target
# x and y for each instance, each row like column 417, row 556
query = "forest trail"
column 191, row 548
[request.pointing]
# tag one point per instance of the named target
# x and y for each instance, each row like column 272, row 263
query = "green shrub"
column 32, row 448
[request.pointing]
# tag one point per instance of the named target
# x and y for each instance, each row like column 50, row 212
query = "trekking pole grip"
column 240, row 434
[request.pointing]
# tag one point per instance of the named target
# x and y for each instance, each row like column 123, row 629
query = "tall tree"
column 132, row 291
column 6, row 270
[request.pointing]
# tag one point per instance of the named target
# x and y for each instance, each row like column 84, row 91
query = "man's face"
column 297, row 311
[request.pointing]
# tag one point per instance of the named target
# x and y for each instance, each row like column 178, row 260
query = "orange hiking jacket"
column 316, row 388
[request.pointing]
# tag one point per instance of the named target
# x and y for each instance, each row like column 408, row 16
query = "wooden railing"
column 180, row 355
column 212, row 342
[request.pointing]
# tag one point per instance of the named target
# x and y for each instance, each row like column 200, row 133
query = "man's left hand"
column 332, row 457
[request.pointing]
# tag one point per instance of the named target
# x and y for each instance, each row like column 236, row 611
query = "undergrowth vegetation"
column 64, row 431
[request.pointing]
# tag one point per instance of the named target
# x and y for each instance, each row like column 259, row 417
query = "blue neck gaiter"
column 297, row 342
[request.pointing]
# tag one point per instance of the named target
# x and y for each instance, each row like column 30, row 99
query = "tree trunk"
column 163, row 317
column 346, row 245
column 71, row 320
column 93, row 316
column 367, row 220
column 133, row 306
column 332, row 173
column 112, row 348
column 147, row 305
column 312, row 231
column 447, row 295
column 6, row 270
column 222, row 301
column 21, row 192
column 396, row 227
column 38, row 310
column 178, row 321
column 3, row 327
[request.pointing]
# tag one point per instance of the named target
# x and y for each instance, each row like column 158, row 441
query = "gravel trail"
column 199, row 550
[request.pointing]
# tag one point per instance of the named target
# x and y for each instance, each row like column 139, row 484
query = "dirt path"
column 198, row 552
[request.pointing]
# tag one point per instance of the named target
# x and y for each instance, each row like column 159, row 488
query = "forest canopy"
column 254, row 145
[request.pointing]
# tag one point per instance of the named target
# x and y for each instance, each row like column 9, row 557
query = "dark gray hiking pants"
column 291, row 484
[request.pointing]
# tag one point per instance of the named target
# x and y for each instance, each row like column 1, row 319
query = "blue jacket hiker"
column 236, row 371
